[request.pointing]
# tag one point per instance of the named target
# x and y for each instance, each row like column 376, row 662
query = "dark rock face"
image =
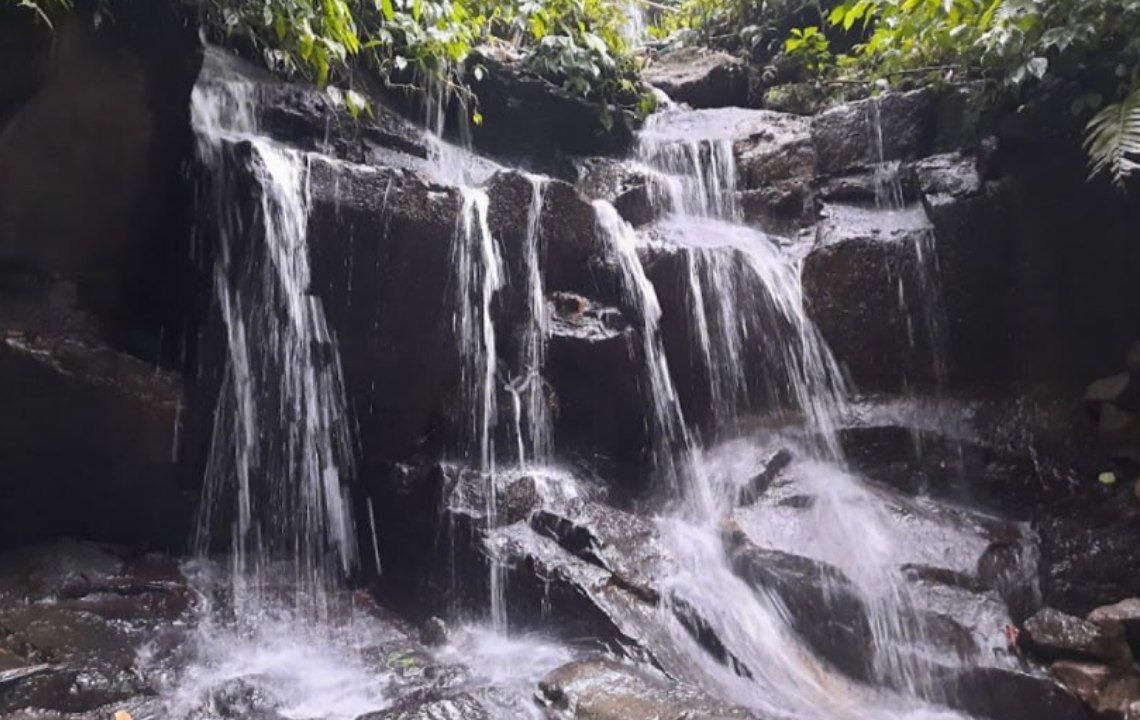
column 607, row 690
column 928, row 463
column 110, row 209
column 537, row 124
column 1086, row 564
column 701, row 78
column 83, row 423
column 865, row 284
column 94, row 212
column 378, row 239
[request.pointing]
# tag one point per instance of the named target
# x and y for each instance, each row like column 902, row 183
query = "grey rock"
column 1054, row 635
column 701, row 78
column 845, row 136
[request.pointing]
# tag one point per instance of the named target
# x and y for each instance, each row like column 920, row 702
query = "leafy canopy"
column 578, row 44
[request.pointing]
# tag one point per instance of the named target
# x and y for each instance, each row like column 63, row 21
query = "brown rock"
column 1122, row 617
column 1085, row 680
column 1053, row 635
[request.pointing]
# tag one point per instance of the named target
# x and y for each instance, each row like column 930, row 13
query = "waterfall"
column 759, row 349
column 744, row 291
column 671, row 444
column 281, row 447
column 890, row 198
column 532, row 427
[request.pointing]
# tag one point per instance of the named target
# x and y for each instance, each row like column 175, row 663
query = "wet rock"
column 622, row 543
column 309, row 118
column 946, row 178
column 760, row 482
column 775, row 172
column 1010, row 568
column 531, row 121
column 945, row 467
column 434, row 632
column 627, row 187
column 865, row 286
column 242, row 699
column 1124, row 615
column 607, row 690
column 701, row 78
column 90, row 660
column 823, row 607
column 1005, row 694
column 457, row 706
column 591, row 358
column 1054, row 635
column 544, row 582
column 378, row 240
column 1085, row 680
column 846, row 136
column 772, row 146
column 1086, row 564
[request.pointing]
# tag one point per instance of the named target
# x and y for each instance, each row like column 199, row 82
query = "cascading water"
column 746, row 295
column 532, row 430
column 890, row 198
column 281, row 445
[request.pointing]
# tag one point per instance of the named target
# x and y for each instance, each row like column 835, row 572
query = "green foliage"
column 576, row 43
column 1113, row 139
column 1020, row 42
column 809, row 47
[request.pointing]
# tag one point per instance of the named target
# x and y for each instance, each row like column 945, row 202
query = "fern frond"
column 1112, row 139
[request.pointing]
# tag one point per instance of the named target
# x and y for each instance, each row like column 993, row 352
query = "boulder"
column 1085, row 680
column 628, row 187
column 1126, row 615
column 1004, row 694
column 870, row 286
column 608, row 690
column 900, row 125
column 701, row 78
column 775, row 172
column 1053, row 635
column 535, row 123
